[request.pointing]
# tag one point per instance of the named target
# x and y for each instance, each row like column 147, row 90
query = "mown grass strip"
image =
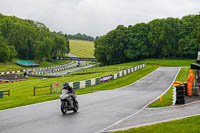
column 82, row 48
column 186, row 125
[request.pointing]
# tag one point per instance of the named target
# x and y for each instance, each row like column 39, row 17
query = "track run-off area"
column 98, row 111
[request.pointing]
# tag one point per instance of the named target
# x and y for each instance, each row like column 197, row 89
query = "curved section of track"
column 97, row 110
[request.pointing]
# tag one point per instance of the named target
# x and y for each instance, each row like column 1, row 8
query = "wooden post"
column 34, row 91
column 51, row 89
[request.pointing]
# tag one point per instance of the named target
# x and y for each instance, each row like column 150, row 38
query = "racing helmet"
column 65, row 84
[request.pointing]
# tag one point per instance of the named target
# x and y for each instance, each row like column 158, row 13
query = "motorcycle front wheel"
column 76, row 106
column 63, row 107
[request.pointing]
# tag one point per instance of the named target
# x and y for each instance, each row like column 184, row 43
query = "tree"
column 137, row 47
column 26, row 39
column 6, row 52
column 160, row 38
column 112, row 46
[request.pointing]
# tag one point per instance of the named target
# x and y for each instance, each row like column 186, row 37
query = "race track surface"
column 97, row 110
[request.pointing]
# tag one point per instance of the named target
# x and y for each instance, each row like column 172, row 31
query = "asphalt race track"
column 97, row 110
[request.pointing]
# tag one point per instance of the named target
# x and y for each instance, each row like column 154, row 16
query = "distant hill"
column 82, row 48
column 80, row 36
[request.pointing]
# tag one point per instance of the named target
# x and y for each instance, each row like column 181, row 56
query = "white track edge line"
column 152, row 123
column 117, row 122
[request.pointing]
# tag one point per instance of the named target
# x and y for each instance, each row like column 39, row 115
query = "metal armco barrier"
column 75, row 58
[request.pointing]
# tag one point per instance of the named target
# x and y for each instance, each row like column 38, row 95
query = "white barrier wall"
column 93, row 81
column 115, row 76
column 82, row 84
column 125, row 72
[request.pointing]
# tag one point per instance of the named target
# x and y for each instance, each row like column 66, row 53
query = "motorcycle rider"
column 68, row 91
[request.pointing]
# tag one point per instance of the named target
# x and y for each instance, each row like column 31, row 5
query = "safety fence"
column 56, row 87
column 42, row 90
column 95, row 81
column 49, row 89
column 43, row 70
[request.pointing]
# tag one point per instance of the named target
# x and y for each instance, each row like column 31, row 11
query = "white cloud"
column 96, row 17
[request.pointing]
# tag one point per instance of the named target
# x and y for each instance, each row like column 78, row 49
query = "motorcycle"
column 68, row 103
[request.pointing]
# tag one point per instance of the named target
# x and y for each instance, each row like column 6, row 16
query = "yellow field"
column 82, row 48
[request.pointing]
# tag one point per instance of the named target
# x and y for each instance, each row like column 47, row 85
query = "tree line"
column 80, row 36
column 160, row 38
column 27, row 39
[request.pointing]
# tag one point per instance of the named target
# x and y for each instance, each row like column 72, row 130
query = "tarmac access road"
column 71, row 70
column 150, row 116
column 97, row 110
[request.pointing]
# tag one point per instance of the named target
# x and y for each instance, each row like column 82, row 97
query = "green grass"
column 22, row 92
column 9, row 67
column 167, row 99
column 186, row 125
column 82, row 48
column 169, row 62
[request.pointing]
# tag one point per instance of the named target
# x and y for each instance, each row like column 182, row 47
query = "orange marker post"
column 161, row 98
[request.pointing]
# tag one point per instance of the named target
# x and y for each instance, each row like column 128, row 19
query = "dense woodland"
column 27, row 39
column 160, row 38
column 80, row 36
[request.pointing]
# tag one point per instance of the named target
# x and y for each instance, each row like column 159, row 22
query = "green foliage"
column 7, row 52
column 160, row 38
column 109, row 49
column 80, row 36
column 29, row 39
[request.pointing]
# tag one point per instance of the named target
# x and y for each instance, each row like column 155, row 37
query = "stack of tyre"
column 180, row 94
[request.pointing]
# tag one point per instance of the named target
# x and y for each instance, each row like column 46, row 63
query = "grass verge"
column 186, row 125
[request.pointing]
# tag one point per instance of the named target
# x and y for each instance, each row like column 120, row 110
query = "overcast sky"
column 96, row 17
